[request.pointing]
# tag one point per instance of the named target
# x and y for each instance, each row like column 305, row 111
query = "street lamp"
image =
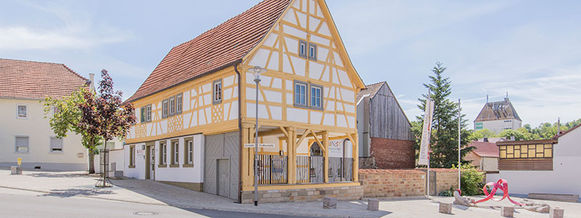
column 256, row 70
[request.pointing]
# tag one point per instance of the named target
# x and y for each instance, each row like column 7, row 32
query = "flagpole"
column 459, row 143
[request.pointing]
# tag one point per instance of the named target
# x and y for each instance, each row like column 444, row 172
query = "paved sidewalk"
column 79, row 184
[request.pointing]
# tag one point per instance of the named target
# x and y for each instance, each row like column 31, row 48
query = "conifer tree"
column 444, row 140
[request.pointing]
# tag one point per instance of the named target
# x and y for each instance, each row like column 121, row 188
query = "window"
column 179, row 103
column 132, row 156
column 148, row 117
column 175, row 152
column 146, row 113
column 300, row 94
column 189, row 153
column 303, row 49
column 312, row 51
column 56, row 144
column 308, row 95
column 162, row 154
column 172, row 106
column 526, row 151
column 21, row 144
column 316, row 96
column 22, row 111
column 164, row 109
column 217, row 92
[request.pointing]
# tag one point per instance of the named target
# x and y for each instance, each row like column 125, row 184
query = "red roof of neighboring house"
column 215, row 49
column 37, row 80
column 562, row 133
column 484, row 149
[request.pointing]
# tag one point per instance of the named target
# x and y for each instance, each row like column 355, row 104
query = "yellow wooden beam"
column 292, row 154
column 326, row 154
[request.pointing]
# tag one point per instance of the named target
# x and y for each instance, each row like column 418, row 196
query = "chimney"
column 92, row 81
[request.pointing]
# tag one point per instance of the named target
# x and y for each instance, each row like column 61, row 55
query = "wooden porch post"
column 245, row 179
column 326, row 156
column 292, row 154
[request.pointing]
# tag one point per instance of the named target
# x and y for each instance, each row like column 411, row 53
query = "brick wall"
column 392, row 153
column 404, row 182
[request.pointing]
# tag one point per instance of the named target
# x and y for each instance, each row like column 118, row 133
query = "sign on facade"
column 336, row 148
column 426, row 133
column 261, row 145
column 478, row 126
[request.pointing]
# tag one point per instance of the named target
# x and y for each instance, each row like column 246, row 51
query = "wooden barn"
column 386, row 140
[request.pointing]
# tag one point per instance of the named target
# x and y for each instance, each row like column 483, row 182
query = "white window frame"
column 163, row 153
column 148, row 113
column 172, row 106
column 179, row 103
column 190, row 151
column 18, row 115
column 16, row 146
column 300, row 96
column 53, row 146
column 165, row 108
column 217, row 91
column 320, row 97
column 175, row 147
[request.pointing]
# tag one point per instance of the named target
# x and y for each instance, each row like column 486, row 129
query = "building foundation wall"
column 308, row 194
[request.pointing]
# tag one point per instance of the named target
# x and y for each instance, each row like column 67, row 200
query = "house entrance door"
column 150, row 162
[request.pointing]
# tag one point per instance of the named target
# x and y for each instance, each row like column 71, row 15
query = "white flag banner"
column 426, row 133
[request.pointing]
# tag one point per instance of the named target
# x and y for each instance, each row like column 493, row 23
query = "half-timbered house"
column 196, row 110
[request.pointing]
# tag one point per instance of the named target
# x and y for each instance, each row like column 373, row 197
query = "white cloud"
column 25, row 38
column 75, row 29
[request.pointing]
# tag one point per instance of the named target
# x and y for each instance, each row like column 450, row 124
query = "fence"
column 272, row 169
column 340, row 169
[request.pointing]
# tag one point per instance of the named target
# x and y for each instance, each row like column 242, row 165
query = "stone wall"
column 310, row 194
column 404, row 182
column 392, row 153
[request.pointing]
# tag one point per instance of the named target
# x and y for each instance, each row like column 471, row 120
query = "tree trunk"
column 91, row 162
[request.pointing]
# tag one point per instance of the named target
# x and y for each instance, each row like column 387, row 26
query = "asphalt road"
column 16, row 203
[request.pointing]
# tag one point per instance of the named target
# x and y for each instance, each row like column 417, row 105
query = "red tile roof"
column 37, row 80
column 485, row 149
column 215, row 49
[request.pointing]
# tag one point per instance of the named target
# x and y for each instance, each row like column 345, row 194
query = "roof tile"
column 37, row 80
column 221, row 46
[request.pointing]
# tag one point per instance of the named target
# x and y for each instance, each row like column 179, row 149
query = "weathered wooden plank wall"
column 386, row 117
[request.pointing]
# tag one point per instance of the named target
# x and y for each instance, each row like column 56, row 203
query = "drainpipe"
column 239, row 130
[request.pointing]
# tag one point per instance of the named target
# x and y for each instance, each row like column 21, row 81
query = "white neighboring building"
column 498, row 116
column 547, row 166
column 24, row 131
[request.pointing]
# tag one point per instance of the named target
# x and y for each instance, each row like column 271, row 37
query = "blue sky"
column 530, row 49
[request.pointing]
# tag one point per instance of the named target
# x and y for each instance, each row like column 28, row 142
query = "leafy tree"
column 444, row 140
column 65, row 118
column 483, row 133
column 105, row 114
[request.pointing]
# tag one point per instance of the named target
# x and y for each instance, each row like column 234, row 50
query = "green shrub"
column 471, row 180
